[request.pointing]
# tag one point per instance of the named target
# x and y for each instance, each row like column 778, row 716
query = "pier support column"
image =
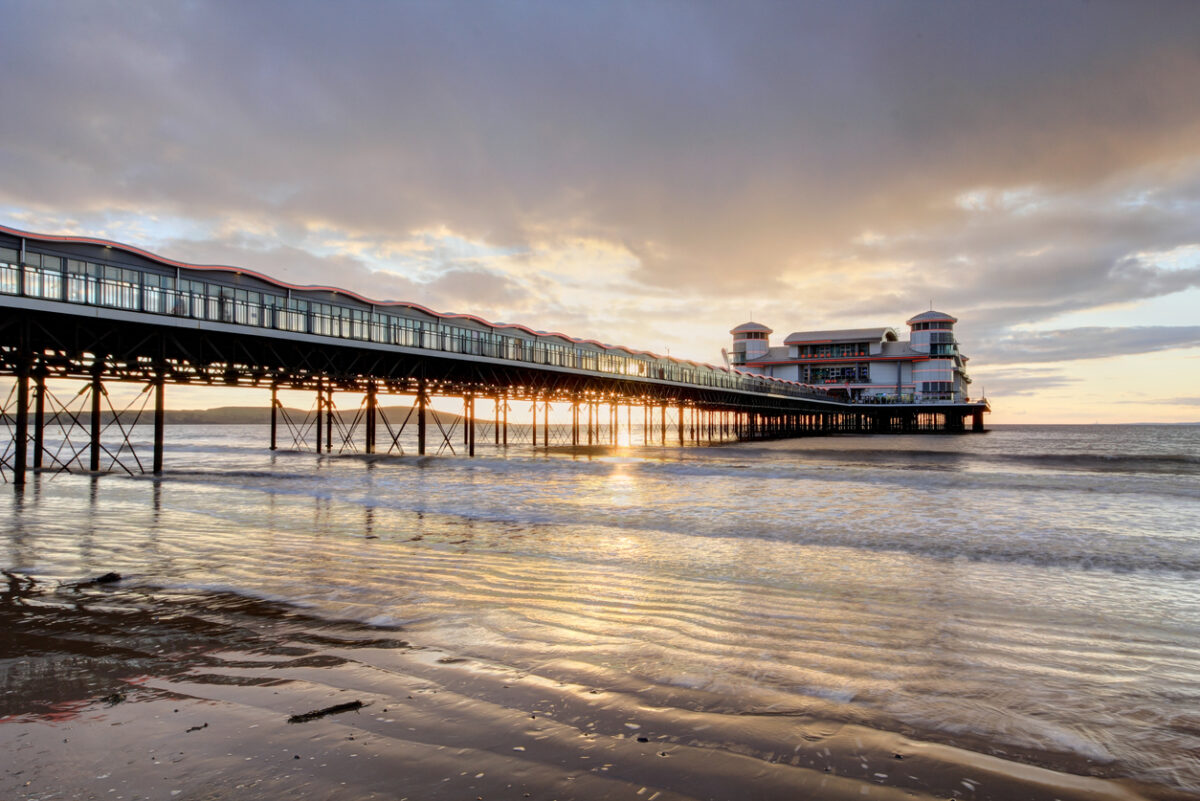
column 546, row 425
column 274, row 414
column 39, row 417
column 575, row 422
column 589, row 422
column 160, row 416
column 21, row 435
column 977, row 421
column 496, row 420
column 421, row 418
column 681, row 440
column 504, row 416
column 329, row 418
column 372, row 391
column 533, row 427
column 471, row 426
column 320, row 416
column 97, row 392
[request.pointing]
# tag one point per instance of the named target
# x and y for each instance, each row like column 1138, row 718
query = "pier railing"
column 76, row 282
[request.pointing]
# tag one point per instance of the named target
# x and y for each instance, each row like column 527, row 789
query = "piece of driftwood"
column 329, row 710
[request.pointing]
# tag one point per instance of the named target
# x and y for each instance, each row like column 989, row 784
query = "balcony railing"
column 292, row 314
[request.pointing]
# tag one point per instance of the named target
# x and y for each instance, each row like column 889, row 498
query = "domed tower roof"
column 746, row 328
column 931, row 316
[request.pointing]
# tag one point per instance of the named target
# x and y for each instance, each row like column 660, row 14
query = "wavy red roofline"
column 88, row 240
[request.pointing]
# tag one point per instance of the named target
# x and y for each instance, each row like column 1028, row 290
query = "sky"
column 655, row 173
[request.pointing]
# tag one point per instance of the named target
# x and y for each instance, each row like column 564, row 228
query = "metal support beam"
column 329, row 418
column 274, row 414
column 372, row 390
column 320, row 417
column 21, row 435
column 471, row 424
column 39, row 416
column 575, row 422
column 97, row 392
column 421, row 418
column 159, row 421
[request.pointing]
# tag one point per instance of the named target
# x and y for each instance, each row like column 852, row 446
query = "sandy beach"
column 127, row 691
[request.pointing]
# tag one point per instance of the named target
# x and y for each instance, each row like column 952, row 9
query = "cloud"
column 1176, row 401
column 1086, row 343
column 653, row 173
column 1012, row 382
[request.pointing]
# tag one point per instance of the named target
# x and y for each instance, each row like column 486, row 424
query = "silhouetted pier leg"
column 466, row 425
column 329, row 419
column 274, row 415
column 471, row 428
column 575, row 422
column 681, row 441
column 372, row 401
column 159, row 421
column 39, row 417
column 372, row 391
column 421, row 419
column 21, row 435
column 504, row 415
column 546, row 425
column 496, row 420
column 97, row 391
column 589, row 424
column 321, row 405
column 533, row 427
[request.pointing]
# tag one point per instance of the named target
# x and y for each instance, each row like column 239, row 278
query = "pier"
column 78, row 314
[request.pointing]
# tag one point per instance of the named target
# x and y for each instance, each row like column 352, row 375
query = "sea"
column 1032, row 587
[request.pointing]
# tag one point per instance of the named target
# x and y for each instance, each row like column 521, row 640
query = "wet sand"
column 123, row 691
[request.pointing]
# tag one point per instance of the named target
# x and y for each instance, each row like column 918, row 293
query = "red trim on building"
column 845, row 360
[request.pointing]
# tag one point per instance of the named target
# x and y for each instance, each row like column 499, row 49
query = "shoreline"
column 172, row 694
